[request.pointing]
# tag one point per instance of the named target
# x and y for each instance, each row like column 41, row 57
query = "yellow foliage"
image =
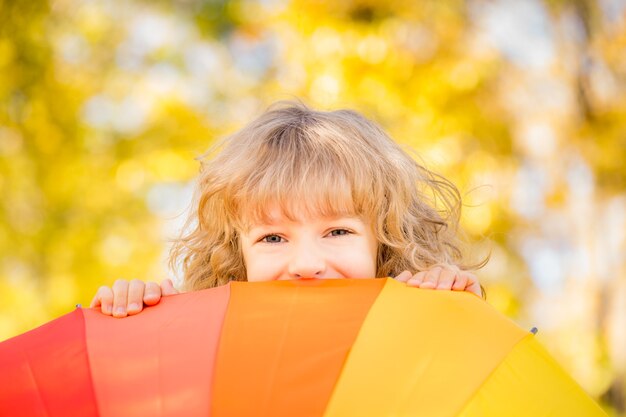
column 77, row 181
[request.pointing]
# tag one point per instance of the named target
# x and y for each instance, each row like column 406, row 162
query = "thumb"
column 167, row 288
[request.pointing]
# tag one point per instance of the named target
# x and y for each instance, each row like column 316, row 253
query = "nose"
column 307, row 261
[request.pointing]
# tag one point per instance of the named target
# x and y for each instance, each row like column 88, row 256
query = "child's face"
column 317, row 247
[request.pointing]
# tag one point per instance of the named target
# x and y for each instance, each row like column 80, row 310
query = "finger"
column 120, row 298
column 104, row 300
column 97, row 299
column 432, row 278
column 404, row 276
column 417, row 279
column 473, row 285
column 152, row 294
column 135, row 296
column 446, row 279
column 167, row 288
column 461, row 282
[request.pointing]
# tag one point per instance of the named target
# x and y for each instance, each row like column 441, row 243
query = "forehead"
column 274, row 214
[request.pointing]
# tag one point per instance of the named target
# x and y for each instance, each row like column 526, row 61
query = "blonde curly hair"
column 317, row 163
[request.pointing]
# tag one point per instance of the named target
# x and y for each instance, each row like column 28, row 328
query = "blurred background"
column 522, row 103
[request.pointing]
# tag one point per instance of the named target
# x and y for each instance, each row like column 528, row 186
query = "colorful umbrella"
column 331, row 348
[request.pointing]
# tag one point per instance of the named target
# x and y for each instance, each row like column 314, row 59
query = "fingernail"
column 133, row 306
column 120, row 311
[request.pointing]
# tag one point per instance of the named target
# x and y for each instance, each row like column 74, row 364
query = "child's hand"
column 442, row 277
column 128, row 298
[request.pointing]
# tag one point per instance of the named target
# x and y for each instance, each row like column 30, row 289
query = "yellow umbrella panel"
column 440, row 354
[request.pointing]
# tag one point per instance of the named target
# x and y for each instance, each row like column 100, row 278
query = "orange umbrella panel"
column 283, row 346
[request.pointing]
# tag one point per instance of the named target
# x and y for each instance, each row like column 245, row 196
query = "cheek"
column 373, row 258
column 371, row 270
column 258, row 267
column 249, row 261
column 251, row 265
column 360, row 262
column 372, row 253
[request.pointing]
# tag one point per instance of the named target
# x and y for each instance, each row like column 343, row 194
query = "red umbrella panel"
column 306, row 348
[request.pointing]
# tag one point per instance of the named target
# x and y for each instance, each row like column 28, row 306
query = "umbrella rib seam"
column 93, row 389
column 488, row 377
column 39, row 390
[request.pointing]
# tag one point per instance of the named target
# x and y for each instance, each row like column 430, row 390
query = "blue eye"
column 272, row 239
column 339, row 232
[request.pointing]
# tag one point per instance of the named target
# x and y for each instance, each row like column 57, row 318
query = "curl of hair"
column 311, row 162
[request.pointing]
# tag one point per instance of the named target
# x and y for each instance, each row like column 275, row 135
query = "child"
column 300, row 193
